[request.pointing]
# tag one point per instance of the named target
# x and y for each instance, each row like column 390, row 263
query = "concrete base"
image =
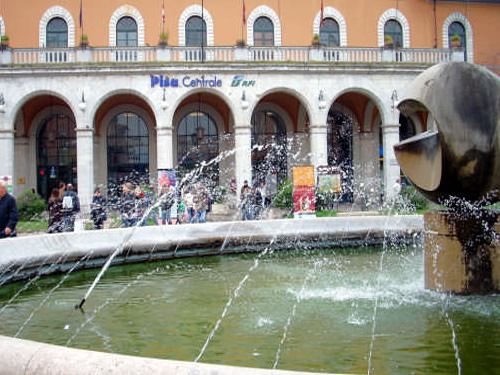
column 447, row 267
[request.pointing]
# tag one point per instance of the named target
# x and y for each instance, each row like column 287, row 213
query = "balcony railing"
column 35, row 56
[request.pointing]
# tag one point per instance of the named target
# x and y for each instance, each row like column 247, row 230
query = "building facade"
column 96, row 93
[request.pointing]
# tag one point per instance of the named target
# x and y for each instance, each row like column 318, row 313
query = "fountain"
column 346, row 296
column 456, row 163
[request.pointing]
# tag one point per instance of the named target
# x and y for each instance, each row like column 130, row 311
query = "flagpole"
column 202, row 32
column 243, row 21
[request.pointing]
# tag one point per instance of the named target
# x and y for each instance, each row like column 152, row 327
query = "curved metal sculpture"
column 459, row 154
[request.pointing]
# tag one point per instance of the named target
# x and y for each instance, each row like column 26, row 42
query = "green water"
column 167, row 310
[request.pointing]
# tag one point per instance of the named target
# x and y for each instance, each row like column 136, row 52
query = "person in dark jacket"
column 70, row 208
column 55, row 212
column 98, row 209
column 8, row 213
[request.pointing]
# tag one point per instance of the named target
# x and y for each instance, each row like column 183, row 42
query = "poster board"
column 166, row 178
column 304, row 202
column 329, row 180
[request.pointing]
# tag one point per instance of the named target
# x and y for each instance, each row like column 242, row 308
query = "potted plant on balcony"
column 455, row 41
column 315, row 41
column 84, row 41
column 163, row 40
column 4, row 41
column 240, row 43
column 388, row 41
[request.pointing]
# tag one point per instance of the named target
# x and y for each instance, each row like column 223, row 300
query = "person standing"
column 246, row 201
column 70, row 208
column 55, row 212
column 127, row 206
column 98, row 209
column 189, row 204
column 8, row 212
column 201, row 203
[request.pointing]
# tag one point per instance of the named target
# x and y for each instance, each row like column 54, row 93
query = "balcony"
column 302, row 55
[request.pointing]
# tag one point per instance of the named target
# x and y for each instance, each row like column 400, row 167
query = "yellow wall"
column 22, row 19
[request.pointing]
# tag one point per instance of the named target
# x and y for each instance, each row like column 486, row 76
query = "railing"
column 44, row 56
column 36, row 56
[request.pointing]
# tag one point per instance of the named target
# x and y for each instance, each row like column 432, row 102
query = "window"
column 263, row 32
column 393, row 34
column 456, row 37
column 197, row 142
column 57, row 33
column 128, row 148
column 126, row 32
column 196, row 32
column 56, row 153
column 329, row 34
column 269, row 147
column 339, row 138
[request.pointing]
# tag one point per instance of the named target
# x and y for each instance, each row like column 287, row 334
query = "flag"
column 163, row 13
column 81, row 14
column 244, row 14
column 322, row 13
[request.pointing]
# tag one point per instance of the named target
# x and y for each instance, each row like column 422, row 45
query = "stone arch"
column 126, row 11
column 270, row 106
column 53, row 12
column 196, row 10
column 26, row 98
column 292, row 92
column 264, row 11
column 394, row 14
column 216, row 93
column 181, row 112
column 330, row 12
column 371, row 95
column 102, row 99
column 469, row 36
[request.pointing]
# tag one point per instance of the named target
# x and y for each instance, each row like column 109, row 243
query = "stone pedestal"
column 449, row 266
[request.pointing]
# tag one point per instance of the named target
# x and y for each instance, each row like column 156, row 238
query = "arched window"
column 197, row 142
column 263, row 32
column 393, row 34
column 128, row 148
column 457, row 37
column 269, row 157
column 196, row 32
column 126, row 32
column 339, row 137
column 57, row 33
column 329, row 34
column 56, row 153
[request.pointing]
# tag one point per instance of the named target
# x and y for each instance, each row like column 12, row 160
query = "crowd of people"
column 170, row 206
column 135, row 205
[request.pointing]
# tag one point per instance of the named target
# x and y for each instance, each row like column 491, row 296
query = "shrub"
column 284, row 197
column 30, row 205
column 414, row 199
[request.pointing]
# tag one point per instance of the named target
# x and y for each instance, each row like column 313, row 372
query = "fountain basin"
column 354, row 296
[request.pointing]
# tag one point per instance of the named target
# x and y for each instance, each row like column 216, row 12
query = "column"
column 243, row 146
column 164, row 147
column 85, row 167
column 319, row 144
column 390, row 135
column 7, row 152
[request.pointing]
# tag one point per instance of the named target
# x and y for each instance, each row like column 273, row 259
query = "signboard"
column 166, row 178
column 304, row 204
column 8, row 182
column 329, row 180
